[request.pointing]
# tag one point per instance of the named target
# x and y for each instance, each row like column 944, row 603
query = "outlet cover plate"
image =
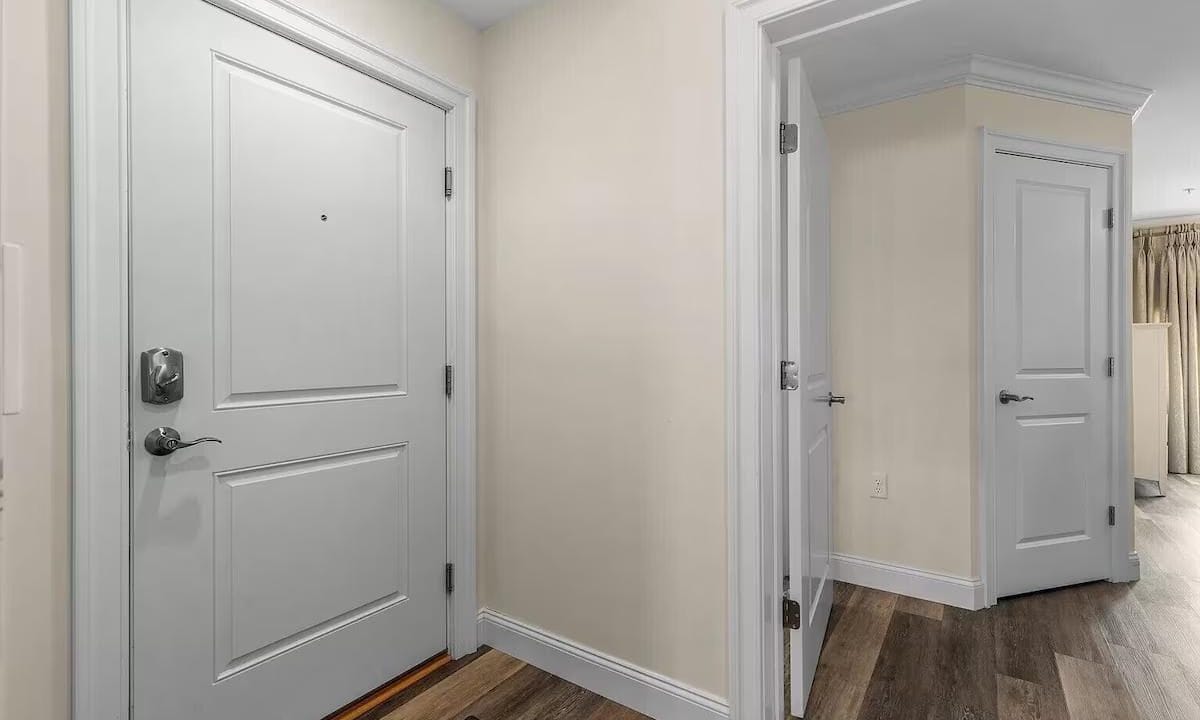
column 879, row 486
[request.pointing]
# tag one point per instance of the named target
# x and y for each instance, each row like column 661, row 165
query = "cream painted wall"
column 420, row 31
column 34, row 555
column 902, row 330
column 34, row 212
column 602, row 496
column 905, row 312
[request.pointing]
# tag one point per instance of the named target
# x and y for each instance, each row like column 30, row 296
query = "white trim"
column 635, row 687
column 1131, row 570
column 954, row 590
column 1122, row 565
column 1149, row 222
column 99, row 65
column 995, row 74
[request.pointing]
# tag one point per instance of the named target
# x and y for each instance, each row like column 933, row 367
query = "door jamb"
column 99, row 333
column 1124, row 564
column 754, row 29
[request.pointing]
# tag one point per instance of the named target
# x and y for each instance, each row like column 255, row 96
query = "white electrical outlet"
column 879, row 485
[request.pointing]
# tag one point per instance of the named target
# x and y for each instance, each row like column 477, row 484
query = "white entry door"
column 810, row 404
column 1050, row 383
column 287, row 241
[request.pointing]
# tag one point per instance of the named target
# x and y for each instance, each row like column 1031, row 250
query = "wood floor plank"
column 559, row 700
column 609, row 710
column 1183, row 538
column 1123, row 619
column 460, row 690
column 1016, row 623
column 924, row 608
column 1159, row 586
column 1154, row 542
column 1018, row 699
column 871, row 599
column 966, row 666
column 511, row 696
column 1094, row 691
column 1071, row 618
column 1158, row 685
column 905, row 685
column 1176, row 633
column 848, row 658
column 842, row 592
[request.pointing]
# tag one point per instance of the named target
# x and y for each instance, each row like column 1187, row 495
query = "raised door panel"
column 308, row 192
column 819, row 527
column 304, row 548
column 1051, row 480
column 1053, row 245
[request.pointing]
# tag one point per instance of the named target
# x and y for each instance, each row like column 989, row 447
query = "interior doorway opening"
column 971, row 314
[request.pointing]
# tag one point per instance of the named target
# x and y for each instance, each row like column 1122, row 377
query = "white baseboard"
column 966, row 593
column 643, row 690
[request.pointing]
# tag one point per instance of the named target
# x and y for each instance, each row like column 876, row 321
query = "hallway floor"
column 1092, row 652
column 490, row 685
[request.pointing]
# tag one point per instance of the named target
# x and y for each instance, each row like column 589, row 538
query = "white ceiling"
column 1148, row 43
column 485, row 13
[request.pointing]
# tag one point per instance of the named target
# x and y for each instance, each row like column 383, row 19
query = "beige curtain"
column 1166, row 288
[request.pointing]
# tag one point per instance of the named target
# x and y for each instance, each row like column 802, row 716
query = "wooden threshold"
column 389, row 690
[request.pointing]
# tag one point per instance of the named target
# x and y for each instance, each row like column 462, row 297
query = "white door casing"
column 288, row 237
column 1051, row 337
column 809, row 415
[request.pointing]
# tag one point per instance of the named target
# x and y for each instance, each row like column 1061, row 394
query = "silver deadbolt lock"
column 162, row 376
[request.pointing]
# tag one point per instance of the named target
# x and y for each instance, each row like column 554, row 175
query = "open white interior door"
column 809, row 406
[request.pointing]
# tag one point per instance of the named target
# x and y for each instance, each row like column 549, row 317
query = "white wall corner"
column 953, row 590
column 622, row 682
column 996, row 74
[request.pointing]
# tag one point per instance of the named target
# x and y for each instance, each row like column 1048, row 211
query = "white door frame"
column 755, row 30
column 1124, row 566
column 100, row 353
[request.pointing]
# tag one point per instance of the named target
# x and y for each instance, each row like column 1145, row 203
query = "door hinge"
column 449, row 182
column 449, row 380
column 1110, row 218
column 449, row 578
column 791, row 613
column 1112, row 366
column 1112, row 515
column 789, row 138
column 789, row 375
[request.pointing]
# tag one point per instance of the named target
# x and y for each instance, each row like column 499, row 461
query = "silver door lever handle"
column 166, row 440
column 831, row 399
column 1006, row 397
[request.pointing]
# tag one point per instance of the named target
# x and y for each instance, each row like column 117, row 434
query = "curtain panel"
column 1166, row 289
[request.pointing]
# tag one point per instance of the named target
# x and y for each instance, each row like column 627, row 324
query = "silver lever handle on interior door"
column 166, row 440
column 1006, row 397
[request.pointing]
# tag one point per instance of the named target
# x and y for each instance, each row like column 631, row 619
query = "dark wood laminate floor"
column 1093, row 652
column 490, row 685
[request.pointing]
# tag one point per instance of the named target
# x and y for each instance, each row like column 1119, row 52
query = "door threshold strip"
column 391, row 689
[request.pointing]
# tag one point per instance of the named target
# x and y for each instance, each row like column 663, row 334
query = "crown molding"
column 995, row 74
